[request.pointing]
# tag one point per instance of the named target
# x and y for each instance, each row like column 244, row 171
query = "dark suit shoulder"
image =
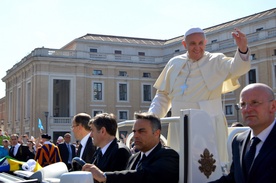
column 161, row 165
column 239, row 139
column 242, row 135
column 122, row 146
column 24, row 146
column 61, row 144
column 167, row 150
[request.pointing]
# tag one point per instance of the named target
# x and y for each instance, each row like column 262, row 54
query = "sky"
column 29, row 24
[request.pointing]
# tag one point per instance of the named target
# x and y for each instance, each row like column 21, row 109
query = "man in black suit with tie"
column 19, row 151
column 81, row 132
column 159, row 164
column 67, row 150
column 111, row 154
column 254, row 151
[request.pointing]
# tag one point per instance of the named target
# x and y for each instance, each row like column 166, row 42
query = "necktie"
column 70, row 153
column 79, row 150
column 11, row 151
column 99, row 156
column 249, row 156
column 140, row 161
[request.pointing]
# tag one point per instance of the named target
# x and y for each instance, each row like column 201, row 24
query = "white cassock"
column 206, row 79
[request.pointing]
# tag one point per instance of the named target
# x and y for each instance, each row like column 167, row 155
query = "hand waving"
column 240, row 39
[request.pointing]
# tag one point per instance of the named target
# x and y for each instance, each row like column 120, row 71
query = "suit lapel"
column 110, row 148
column 137, row 156
column 241, row 140
column 152, row 153
column 243, row 145
column 88, row 143
column 135, row 159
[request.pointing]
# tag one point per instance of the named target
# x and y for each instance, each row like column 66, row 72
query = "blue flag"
column 40, row 126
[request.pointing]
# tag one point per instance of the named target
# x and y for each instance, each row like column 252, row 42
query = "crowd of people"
column 23, row 147
column 99, row 147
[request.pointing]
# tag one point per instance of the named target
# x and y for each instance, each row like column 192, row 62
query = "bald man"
column 254, row 151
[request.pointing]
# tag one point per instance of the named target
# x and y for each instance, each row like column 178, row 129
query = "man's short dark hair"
column 154, row 120
column 82, row 119
column 107, row 120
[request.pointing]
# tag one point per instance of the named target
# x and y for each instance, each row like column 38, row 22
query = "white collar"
column 106, row 147
column 148, row 152
column 84, row 140
column 264, row 134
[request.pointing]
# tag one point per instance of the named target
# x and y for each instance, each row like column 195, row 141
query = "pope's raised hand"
column 240, row 39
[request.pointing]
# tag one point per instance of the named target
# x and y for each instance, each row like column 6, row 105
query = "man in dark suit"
column 254, row 151
column 111, row 154
column 67, row 150
column 154, row 163
column 81, row 131
column 19, row 151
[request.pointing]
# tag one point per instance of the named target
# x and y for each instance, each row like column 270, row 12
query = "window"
column 123, row 135
column 93, row 50
column 141, row 53
column 147, row 93
column 123, row 92
column 122, row 73
column 97, row 91
column 228, row 110
column 19, row 107
column 28, row 100
column 252, row 76
column 61, row 97
column 123, row 115
column 97, row 72
column 141, row 56
column 253, row 57
column 10, row 106
column 95, row 112
column 214, row 41
column 274, row 53
column 146, row 75
column 259, row 29
column 118, row 52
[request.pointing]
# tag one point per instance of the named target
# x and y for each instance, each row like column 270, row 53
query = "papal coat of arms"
column 207, row 163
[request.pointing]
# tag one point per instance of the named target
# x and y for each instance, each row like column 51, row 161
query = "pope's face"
column 195, row 45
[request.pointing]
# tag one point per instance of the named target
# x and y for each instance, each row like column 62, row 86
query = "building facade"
column 2, row 114
column 102, row 73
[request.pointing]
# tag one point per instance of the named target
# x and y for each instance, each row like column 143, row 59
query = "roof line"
column 123, row 37
column 239, row 18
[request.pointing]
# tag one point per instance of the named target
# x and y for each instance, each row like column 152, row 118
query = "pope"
column 196, row 80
